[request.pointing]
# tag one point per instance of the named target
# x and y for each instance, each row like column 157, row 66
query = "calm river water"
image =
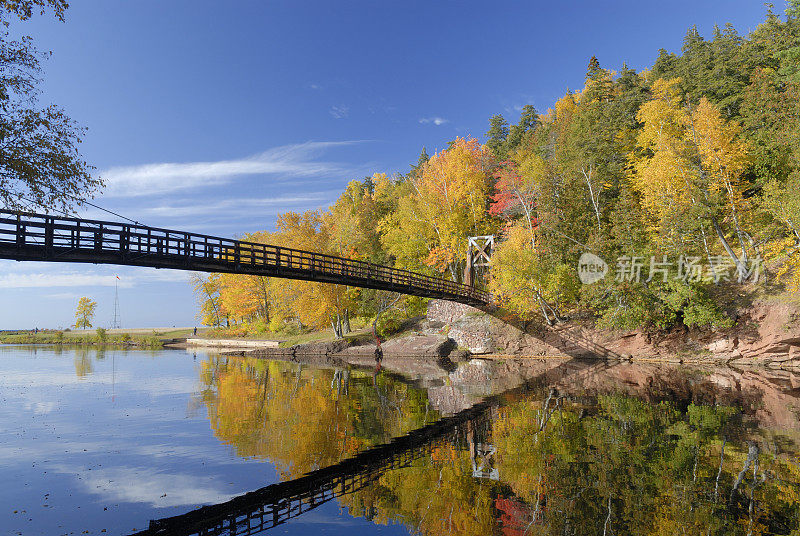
column 108, row 441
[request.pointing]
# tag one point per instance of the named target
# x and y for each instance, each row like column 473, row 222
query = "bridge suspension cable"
column 80, row 201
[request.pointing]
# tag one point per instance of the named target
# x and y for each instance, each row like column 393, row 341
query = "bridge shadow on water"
column 273, row 505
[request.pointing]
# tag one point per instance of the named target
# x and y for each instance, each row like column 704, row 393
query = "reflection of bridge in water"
column 273, row 505
column 268, row 507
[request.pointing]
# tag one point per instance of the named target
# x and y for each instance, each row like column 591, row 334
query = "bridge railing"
column 57, row 234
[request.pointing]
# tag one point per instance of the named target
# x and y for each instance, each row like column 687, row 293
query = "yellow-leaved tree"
column 243, row 297
column 445, row 202
column 84, row 313
column 350, row 222
column 207, row 291
column 687, row 168
column 315, row 304
column 525, row 280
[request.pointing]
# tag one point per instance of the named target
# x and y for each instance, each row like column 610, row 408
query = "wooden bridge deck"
column 39, row 237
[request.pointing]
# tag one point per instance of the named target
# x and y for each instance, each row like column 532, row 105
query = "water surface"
column 103, row 442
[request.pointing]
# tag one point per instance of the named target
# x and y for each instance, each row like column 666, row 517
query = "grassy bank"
column 135, row 337
column 286, row 339
column 360, row 332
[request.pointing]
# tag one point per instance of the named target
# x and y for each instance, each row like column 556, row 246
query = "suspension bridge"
column 42, row 237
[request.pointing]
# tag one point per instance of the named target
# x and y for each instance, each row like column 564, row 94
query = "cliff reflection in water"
column 550, row 458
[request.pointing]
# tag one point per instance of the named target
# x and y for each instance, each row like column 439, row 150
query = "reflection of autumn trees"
column 305, row 418
column 83, row 362
column 612, row 464
column 615, row 465
column 628, row 467
column 436, row 495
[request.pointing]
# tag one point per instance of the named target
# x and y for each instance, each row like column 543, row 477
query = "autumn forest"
column 691, row 165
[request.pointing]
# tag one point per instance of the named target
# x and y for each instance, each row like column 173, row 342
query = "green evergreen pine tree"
column 790, row 58
column 497, row 135
column 423, row 158
column 528, row 121
column 593, row 71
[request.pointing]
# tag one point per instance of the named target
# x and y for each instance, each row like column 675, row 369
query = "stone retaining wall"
column 231, row 343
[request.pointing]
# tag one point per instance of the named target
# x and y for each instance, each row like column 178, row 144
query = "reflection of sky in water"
column 123, row 443
column 111, row 440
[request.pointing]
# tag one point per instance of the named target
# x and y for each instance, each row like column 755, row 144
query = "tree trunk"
column 752, row 454
column 708, row 253
column 595, row 202
column 382, row 309
column 346, row 323
column 740, row 266
column 547, row 307
column 719, row 471
column 336, row 324
column 608, row 517
column 453, row 272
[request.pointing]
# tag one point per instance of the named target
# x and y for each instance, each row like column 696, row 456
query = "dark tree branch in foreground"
column 40, row 166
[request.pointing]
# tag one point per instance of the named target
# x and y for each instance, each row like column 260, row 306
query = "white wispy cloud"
column 166, row 385
column 62, row 296
column 514, row 107
column 40, row 408
column 239, row 205
column 159, row 178
column 339, row 112
column 435, row 120
column 46, row 280
column 90, row 279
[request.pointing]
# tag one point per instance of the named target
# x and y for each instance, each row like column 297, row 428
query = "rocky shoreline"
column 766, row 335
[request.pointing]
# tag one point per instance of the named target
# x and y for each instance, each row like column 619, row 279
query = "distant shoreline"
column 133, row 337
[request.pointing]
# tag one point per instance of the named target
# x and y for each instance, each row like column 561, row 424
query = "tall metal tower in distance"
column 116, row 322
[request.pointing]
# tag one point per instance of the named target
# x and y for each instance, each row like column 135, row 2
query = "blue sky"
column 216, row 116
